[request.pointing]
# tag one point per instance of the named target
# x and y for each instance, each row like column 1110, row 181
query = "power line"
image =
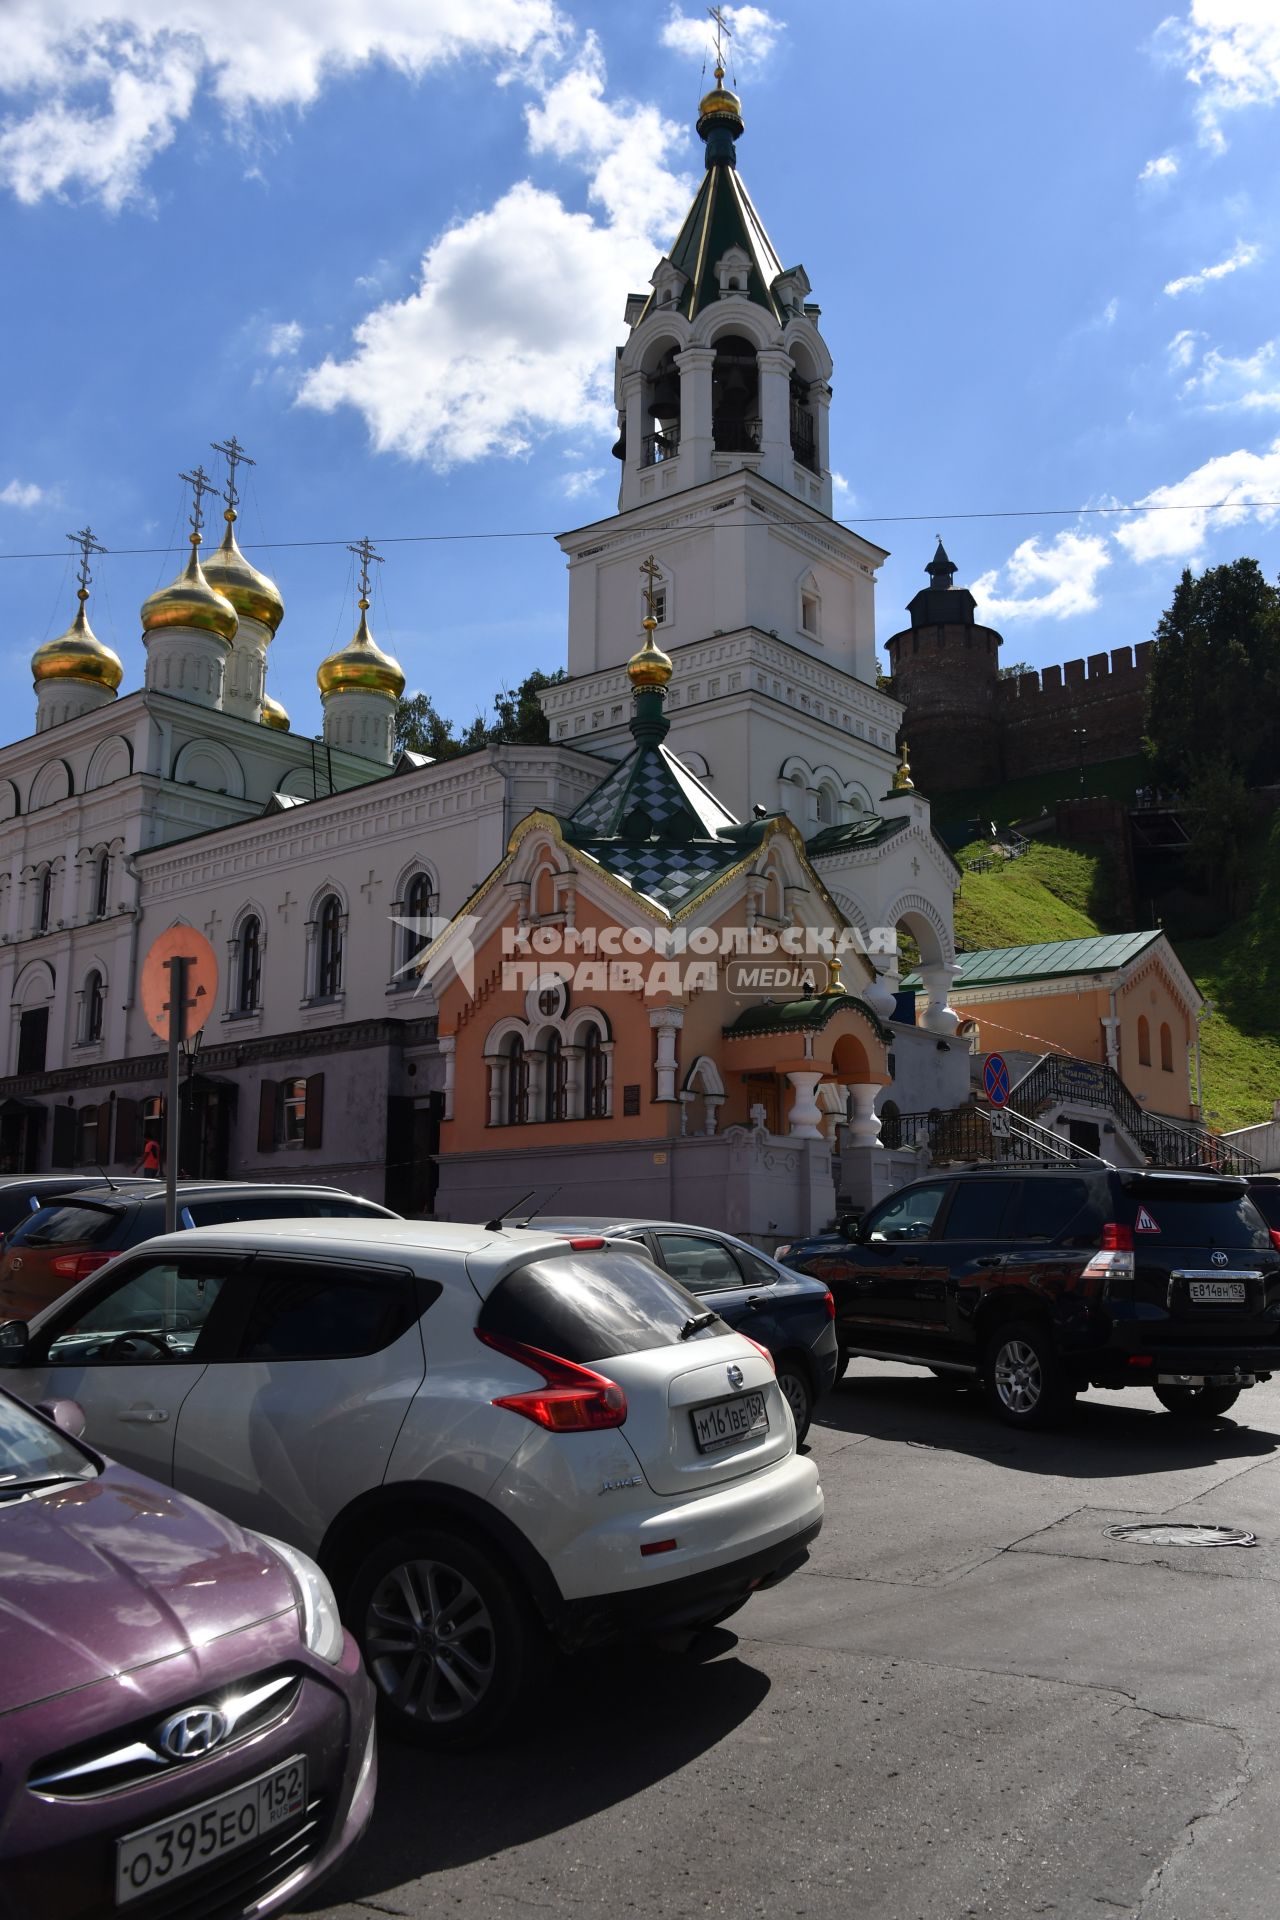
column 862, row 520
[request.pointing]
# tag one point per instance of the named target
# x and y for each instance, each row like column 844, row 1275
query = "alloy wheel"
column 429, row 1641
column 1019, row 1380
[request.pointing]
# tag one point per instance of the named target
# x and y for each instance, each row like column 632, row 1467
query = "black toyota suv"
column 1041, row 1282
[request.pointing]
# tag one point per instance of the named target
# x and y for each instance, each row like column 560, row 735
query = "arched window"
column 735, row 396
column 517, row 1083
column 102, row 889
column 826, row 807
column 249, row 986
column 419, row 911
column 46, row 900
column 1166, row 1047
column 595, row 1081
column 555, row 1093
column 329, row 957
column 94, row 1002
column 1144, row 1041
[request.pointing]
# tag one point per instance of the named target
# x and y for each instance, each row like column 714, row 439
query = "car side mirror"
column 68, row 1415
column 15, row 1338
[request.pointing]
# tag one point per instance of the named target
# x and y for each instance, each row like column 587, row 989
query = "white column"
column 820, row 401
column 864, row 1121
column 938, row 1016
column 805, row 1119
column 496, row 1064
column 666, row 1023
column 1110, row 1028
column 776, row 367
column 633, row 409
column 713, row 1101
column 881, row 994
column 696, row 444
column 448, row 1044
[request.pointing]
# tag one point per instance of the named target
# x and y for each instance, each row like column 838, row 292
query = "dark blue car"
column 789, row 1313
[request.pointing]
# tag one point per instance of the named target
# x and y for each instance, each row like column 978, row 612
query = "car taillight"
column 1113, row 1263
column 780, row 1252
column 572, row 1399
column 1273, row 1231
column 78, row 1266
column 831, row 1305
column 1117, row 1239
column 762, row 1351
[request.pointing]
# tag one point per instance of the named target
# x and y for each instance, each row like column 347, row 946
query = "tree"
column 1220, row 817
column 519, row 721
column 1215, row 676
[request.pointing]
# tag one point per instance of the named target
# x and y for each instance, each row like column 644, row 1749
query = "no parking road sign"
column 995, row 1079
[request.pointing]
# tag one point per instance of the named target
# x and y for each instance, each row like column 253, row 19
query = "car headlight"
column 321, row 1621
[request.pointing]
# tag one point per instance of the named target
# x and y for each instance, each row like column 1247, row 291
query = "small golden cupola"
column 76, row 672
column 256, row 599
column 360, row 684
column 189, row 627
column 273, row 714
column 650, row 669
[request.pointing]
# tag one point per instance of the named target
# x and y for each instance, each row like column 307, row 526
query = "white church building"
column 191, row 800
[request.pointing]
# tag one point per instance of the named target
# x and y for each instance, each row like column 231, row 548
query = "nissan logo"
column 1218, row 1259
column 189, row 1735
column 735, row 1376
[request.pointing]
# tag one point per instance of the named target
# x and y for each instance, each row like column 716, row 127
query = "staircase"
column 1059, row 1077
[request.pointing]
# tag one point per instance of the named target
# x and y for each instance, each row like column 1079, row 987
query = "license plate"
column 156, row 1856
column 725, row 1422
column 1222, row 1293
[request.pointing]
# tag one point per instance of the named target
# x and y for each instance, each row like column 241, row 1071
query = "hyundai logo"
column 189, row 1735
column 1218, row 1259
column 735, row 1376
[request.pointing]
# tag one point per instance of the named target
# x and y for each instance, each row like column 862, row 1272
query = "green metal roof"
column 800, row 1016
column 1051, row 960
column 868, row 830
column 723, row 215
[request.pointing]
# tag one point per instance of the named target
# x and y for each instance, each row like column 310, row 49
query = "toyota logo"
column 189, row 1735
column 1218, row 1259
column 735, row 1376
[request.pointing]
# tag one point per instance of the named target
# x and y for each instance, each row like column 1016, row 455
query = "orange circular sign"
column 179, row 943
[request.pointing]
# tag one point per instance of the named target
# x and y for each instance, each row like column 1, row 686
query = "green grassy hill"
column 1058, row 892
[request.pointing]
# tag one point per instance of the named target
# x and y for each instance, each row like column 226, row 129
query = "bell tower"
column 765, row 603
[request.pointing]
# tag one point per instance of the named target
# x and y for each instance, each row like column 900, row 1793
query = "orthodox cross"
column 367, row 886
column 235, row 456
column 723, row 31
column 284, row 905
column 200, row 484
column 87, row 545
column 363, row 550
column 653, row 573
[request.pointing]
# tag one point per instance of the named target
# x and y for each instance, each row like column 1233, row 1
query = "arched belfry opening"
column 662, row 409
column 735, row 396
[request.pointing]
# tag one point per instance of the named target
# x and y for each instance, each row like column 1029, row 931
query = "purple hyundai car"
column 185, row 1728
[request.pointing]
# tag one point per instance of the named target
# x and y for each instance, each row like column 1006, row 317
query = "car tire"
column 1197, row 1403
column 1023, row 1376
column 443, row 1682
column 797, row 1391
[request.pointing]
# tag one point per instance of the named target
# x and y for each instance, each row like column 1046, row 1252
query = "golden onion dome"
column 189, row 601
column 78, row 654
column 361, row 666
column 651, row 667
column 253, row 596
column 720, row 105
column 273, row 714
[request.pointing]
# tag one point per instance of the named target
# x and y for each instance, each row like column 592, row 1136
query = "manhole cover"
column 1165, row 1533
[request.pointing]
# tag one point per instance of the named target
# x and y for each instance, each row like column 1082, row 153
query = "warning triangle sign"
column 1144, row 1223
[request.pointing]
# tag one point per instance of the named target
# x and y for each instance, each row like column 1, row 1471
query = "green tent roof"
column 801, row 1016
column 1051, row 960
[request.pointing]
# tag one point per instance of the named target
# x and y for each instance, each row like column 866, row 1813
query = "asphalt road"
column 970, row 1703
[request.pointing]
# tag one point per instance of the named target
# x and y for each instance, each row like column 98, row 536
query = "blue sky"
column 387, row 244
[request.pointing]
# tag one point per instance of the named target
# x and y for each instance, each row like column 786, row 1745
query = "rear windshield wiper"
column 696, row 1325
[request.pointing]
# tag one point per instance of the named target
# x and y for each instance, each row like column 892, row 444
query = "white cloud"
column 1249, row 381
column 585, row 480
column 1230, row 52
column 753, row 34
column 284, row 339
column 1052, row 582
column 1182, row 348
column 98, row 88
column 507, row 338
column 1110, row 311
column 22, row 493
column 1243, row 255
column 1162, row 168
column 1212, row 496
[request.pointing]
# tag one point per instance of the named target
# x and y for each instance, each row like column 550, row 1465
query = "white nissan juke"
column 488, row 1438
